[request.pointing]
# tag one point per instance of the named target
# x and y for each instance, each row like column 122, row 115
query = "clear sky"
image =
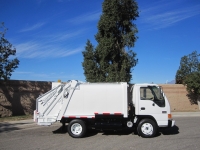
column 50, row 35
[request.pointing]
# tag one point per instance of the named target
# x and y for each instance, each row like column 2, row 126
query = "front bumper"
column 171, row 123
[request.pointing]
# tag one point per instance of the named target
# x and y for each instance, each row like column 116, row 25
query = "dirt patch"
column 16, row 118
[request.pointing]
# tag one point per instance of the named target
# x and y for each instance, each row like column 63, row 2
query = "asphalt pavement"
column 184, row 135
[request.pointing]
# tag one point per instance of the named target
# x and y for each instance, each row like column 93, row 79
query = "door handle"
column 142, row 108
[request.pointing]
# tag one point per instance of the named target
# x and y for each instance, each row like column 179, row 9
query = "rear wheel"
column 77, row 128
column 147, row 128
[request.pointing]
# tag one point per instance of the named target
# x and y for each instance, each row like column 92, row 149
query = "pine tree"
column 116, row 35
column 89, row 64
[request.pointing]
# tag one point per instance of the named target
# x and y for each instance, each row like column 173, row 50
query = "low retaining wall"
column 177, row 96
column 18, row 97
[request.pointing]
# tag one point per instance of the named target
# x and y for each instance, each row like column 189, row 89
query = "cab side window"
column 154, row 94
column 146, row 94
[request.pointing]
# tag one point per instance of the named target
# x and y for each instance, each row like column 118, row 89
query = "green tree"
column 192, row 82
column 89, row 63
column 7, row 65
column 116, row 34
column 188, row 64
column 189, row 75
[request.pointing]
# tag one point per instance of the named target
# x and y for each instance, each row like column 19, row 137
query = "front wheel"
column 77, row 128
column 147, row 128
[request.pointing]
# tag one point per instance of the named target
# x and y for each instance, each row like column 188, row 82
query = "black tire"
column 77, row 128
column 147, row 128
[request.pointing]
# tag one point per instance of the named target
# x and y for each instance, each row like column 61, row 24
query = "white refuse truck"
column 104, row 106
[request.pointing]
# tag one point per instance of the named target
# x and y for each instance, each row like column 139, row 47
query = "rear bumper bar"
column 35, row 116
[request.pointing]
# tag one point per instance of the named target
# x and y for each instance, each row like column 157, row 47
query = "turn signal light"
column 169, row 116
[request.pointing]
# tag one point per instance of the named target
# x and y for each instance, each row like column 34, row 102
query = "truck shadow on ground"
column 118, row 132
column 63, row 130
column 60, row 130
column 165, row 131
column 7, row 127
column 93, row 132
column 168, row 131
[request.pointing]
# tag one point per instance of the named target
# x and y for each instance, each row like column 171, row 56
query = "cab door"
column 152, row 103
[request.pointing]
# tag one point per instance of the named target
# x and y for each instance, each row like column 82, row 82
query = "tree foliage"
column 7, row 65
column 90, row 63
column 189, row 75
column 112, row 59
column 188, row 64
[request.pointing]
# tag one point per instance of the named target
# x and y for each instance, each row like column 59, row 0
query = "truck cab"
column 152, row 105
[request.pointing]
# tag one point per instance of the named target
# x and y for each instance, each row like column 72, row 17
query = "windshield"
column 153, row 93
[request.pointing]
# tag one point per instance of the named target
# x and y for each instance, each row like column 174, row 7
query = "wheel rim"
column 147, row 129
column 76, row 129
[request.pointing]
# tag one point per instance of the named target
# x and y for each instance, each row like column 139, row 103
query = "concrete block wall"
column 18, row 97
column 177, row 96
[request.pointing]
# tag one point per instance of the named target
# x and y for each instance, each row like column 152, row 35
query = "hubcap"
column 76, row 129
column 147, row 129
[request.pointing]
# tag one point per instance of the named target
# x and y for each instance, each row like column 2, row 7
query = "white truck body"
column 104, row 104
